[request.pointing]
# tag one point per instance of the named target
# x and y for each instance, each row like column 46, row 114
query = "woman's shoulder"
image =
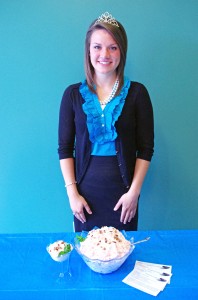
column 137, row 85
column 70, row 93
column 137, row 88
column 73, row 87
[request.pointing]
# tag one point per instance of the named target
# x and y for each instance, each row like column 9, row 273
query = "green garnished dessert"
column 59, row 250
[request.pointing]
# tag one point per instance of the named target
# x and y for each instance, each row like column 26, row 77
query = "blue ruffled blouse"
column 101, row 123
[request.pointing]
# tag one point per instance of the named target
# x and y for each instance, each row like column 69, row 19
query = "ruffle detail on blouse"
column 101, row 123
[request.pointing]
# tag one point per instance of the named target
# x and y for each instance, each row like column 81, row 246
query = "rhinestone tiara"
column 107, row 18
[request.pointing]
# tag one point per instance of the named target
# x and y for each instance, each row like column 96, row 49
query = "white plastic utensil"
column 141, row 241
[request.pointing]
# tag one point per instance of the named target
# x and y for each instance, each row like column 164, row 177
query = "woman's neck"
column 105, row 81
column 104, row 85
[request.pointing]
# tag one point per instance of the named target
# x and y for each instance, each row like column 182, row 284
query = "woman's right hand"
column 78, row 204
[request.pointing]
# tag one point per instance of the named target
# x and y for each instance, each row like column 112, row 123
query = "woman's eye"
column 113, row 48
column 96, row 47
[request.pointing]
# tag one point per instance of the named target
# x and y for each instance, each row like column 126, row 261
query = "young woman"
column 106, row 134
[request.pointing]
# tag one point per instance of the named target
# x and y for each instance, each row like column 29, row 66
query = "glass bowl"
column 62, row 258
column 103, row 266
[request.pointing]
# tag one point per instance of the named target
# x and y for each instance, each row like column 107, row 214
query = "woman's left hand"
column 129, row 202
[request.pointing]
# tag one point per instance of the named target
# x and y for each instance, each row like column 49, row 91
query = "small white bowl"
column 60, row 258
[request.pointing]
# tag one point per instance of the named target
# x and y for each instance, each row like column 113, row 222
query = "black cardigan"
column 135, row 129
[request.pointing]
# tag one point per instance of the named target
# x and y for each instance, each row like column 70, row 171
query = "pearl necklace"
column 113, row 92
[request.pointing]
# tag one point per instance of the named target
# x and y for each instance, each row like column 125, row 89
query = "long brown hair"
column 119, row 35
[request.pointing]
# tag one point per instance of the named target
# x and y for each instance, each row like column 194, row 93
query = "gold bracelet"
column 66, row 185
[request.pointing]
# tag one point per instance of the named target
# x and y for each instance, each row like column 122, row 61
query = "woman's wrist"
column 70, row 183
column 134, row 190
column 72, row 190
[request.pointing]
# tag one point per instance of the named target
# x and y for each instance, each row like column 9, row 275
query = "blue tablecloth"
column 28, row 272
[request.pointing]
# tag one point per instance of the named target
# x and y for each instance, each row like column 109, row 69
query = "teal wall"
column 41, row 52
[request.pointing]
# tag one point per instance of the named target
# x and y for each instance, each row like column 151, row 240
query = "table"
column 28, row 272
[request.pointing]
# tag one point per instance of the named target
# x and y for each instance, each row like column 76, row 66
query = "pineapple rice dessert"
column 105, row 243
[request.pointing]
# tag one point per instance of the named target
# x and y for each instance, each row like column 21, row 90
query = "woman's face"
column 104, row 52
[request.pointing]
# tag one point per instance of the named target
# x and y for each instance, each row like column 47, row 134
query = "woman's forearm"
column 141, row 168
column 67, row 169
column 77, row 203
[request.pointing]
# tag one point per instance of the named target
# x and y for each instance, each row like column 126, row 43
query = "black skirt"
column 102, row 186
